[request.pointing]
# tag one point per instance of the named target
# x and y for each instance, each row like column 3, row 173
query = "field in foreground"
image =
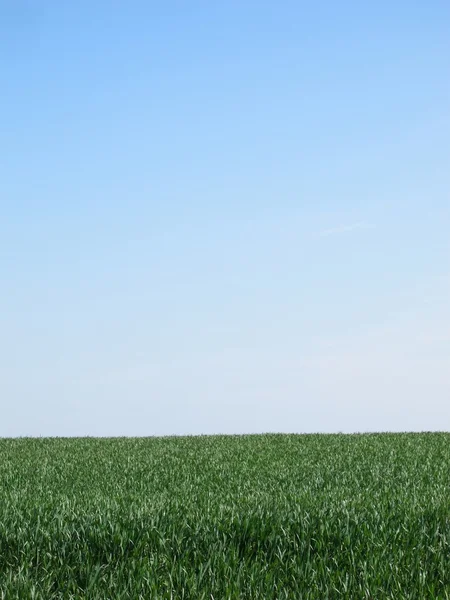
column 226, row 517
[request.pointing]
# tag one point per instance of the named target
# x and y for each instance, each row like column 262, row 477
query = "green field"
column 221, row 517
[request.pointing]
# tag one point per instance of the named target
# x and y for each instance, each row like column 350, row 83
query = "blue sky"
column 224, row 217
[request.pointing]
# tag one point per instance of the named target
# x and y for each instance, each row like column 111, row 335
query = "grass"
column 226, row 517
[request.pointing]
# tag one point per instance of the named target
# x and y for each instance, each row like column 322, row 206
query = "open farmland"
column 226, row 517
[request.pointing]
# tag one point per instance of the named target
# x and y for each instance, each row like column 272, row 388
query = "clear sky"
column 224, row 217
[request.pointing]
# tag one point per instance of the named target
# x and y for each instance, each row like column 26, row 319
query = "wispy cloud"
column 344, row 229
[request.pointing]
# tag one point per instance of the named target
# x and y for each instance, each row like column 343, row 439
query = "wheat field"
column 252, row 517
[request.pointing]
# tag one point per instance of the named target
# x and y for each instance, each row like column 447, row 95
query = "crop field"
column 226, row 517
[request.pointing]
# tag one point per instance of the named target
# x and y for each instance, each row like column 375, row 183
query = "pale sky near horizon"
column 224, row 217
